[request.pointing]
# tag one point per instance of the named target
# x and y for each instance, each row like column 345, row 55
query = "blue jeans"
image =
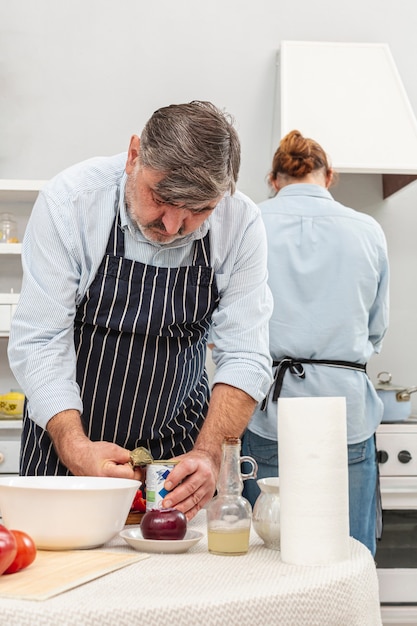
column 363, row 481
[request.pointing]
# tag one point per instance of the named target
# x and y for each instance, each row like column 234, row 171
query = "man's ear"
column 132, row 154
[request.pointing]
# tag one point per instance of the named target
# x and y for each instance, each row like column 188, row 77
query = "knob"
column 382, row 456
column 404, row 456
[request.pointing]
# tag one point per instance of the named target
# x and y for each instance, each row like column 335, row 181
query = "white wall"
column 78, row 77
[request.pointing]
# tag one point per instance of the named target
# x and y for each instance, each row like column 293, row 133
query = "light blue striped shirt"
column 63, row 245
column 329, row 277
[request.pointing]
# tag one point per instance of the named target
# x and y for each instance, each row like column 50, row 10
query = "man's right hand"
column 84, row 457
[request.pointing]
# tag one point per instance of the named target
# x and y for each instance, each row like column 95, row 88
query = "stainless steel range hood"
column 350, row 98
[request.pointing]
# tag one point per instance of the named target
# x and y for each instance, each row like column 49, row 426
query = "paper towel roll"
column 313, row 471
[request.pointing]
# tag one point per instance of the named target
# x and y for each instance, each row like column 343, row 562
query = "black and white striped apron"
column 140, row 336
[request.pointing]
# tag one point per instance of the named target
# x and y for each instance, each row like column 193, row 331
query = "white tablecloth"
column 201, row 588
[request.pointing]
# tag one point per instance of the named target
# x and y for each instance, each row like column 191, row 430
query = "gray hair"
column 197, row 148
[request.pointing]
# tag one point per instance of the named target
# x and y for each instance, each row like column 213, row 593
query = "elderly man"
column 128, row 261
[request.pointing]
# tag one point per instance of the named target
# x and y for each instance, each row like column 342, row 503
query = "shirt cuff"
column 248, row 378
column 53, row 398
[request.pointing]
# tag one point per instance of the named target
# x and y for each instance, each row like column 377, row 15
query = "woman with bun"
column 329, row 275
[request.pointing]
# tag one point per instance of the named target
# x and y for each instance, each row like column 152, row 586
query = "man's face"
column 158, row 221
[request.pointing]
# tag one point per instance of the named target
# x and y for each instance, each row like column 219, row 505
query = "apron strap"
column 296, row 368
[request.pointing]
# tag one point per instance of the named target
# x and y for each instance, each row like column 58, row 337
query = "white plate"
column 133, row 536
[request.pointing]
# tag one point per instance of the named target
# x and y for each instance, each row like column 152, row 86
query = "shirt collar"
column 304, row 189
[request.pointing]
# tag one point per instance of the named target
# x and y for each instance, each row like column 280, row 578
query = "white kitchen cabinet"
column 10, row 432
column 16, row 197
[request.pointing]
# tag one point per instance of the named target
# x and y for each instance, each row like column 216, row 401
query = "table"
column 202, row 588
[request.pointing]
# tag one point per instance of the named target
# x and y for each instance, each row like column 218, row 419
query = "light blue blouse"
column 329, row 276
column 63, row 245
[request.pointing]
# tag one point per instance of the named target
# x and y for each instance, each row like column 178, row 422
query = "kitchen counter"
column 198, row 587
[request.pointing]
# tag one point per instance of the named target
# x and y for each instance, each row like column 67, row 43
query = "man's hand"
column 192, row 481
column 229, row 411
column 84, row 457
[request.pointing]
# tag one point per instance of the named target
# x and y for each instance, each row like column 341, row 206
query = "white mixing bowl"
column 66, row 512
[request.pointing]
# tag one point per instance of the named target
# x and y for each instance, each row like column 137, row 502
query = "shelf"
column 19, row 190
column 8, row 303
column 8, row 424
column 16, row 197
column 9, row 298
column 21, row 184
column 10, row 248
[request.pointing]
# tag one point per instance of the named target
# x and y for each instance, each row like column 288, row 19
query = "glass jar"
column 266, row 513
column 229, row 514
column 8, row 228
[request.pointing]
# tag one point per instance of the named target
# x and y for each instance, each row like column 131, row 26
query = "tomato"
column 26, row 552
column 8, row 548
column 139, row 503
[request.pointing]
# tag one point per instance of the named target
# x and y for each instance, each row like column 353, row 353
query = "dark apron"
column 295, row 366
column 140, row 336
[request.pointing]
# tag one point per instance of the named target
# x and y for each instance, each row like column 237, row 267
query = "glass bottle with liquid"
column 229, row 514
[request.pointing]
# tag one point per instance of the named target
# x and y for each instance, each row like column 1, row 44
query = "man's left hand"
column 191, row 483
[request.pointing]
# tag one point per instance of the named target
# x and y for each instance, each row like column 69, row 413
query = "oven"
column 396, row 555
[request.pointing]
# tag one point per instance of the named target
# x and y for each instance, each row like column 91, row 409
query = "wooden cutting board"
column 134, row 517
column 54, row 572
